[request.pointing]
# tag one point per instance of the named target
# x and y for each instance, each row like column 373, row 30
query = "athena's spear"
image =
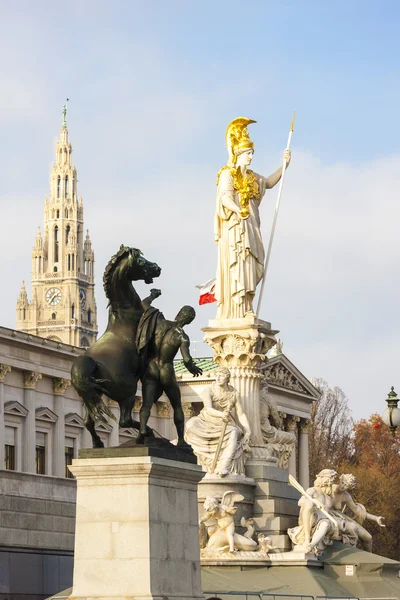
column 271, row 239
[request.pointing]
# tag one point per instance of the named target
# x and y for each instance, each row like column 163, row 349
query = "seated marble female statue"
column 220, row 434
column 281, row 443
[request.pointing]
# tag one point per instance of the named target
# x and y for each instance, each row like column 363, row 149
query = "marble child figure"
column 220, row 434
column 237, row 224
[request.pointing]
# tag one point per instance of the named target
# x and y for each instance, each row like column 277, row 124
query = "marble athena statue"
column 281, row 443
column 237, row 224
column 220, row 434
column 324, row 515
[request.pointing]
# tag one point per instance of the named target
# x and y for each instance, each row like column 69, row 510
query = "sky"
column 152, row 86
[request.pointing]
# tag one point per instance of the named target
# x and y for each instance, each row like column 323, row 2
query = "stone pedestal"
column 241, row 345
column 217, row 486
column 275, row 503
column 136, row 531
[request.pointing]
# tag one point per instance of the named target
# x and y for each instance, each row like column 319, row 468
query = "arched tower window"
column 89, row 315
column 24, row 314
column 73, row 186
column 58, row 186
column 66, row 186
column 67, row 230
column 69, row 262
column 66, row 213
column 54, row 316
column 73, row 311
column 56, row 244
column 58, row 214
column 55, row 269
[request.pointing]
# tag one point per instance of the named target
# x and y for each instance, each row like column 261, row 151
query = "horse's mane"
column 113, row 263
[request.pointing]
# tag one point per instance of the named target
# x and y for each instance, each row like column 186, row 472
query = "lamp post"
column 391, row 416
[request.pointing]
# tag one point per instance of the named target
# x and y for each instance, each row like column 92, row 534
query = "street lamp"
column 391, row 416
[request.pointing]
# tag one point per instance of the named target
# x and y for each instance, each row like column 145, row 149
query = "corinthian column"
column 291, row 425
column 304, row 471
column 4, row 369
column 29, row 444
column 59, row 387
column 241, row 346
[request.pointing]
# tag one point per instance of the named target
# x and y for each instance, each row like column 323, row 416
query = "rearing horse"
column 111, row 365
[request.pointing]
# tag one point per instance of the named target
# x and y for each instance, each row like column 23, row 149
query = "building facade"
column 63, row 306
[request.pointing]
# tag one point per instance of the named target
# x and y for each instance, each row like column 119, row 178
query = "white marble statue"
column 323, row 519
column 217, row 526
column 281, row 443
column 220, row 434
column 237, row 224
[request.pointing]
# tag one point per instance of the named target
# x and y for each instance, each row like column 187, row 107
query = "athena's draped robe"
column 204, row 431
column 240, row 250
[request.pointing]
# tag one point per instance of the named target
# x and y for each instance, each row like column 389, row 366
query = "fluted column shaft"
column 29, row 443
column 304, row 470
column 4, row 369
column 291, row 425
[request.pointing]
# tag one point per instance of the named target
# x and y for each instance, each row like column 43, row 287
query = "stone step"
column 275, row 507
column 274, row 524
column 276, row 489
column 261, row 472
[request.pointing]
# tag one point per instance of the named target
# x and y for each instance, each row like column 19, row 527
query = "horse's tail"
column 90, row 388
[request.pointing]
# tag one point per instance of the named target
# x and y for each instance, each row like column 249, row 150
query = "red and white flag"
column 207, row 291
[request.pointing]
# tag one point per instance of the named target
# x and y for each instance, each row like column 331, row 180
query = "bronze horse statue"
column 111, row 366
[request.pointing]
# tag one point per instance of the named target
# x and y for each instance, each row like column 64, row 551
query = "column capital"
column 163, row 409
column 187, row 409
column 60, row 385
column 30, row 379
column 304, row 425
column 291, row 422
column 4, row 369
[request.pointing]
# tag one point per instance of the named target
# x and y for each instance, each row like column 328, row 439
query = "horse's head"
column 126, row 266
column 140, row 268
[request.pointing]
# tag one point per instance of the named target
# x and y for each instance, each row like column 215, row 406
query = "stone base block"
column 217, row 486
column 136, row 529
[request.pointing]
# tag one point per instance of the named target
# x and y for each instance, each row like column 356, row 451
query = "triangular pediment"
column 15, row 408
column 280, row 372
column 74, row 420
column 103, row 427
column 45, row 414
column 127, row 432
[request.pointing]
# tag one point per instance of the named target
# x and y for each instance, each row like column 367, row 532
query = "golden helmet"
column 237, row 138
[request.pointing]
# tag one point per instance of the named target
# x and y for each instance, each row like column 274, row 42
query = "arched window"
column 73, row 187
column 73, row 262
column 58, row 214
column 66, row 213
column 89, row 267
column 24, row 314
column 54, row 316
column 58, row 186
column 66, row 186
column 55, row 269
column 84, row 343
column 56, row 244
column 69, row 262
column 89, row 315
column 73, row 311
column 67, row 230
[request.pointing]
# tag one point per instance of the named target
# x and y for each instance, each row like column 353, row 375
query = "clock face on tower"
column 82, row 298
column 53, row 296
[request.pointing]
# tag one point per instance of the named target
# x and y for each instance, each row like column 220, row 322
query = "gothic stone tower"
column 63, row 306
